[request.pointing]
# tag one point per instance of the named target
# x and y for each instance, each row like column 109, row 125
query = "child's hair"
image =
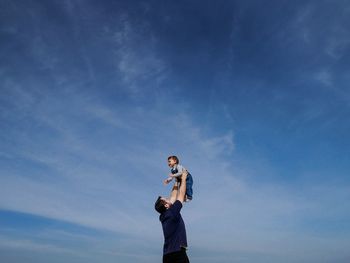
column 174, row 158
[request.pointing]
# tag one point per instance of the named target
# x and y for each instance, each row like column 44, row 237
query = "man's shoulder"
column 177, row 203
column 176, row 207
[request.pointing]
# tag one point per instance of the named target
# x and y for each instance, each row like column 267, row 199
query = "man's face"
column 167, row 202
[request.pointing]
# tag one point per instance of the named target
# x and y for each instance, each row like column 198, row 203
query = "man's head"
column 162, row 204
column 172, row 160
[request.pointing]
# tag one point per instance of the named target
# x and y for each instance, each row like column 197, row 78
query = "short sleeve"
column 176, row 207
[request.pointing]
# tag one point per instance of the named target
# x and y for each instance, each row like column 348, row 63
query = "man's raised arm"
column 173, row 193
column 182, row 191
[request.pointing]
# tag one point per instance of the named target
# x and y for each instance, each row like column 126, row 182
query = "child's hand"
column 166, row 181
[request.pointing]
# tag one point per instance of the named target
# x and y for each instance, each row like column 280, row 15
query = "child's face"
column 171, row 162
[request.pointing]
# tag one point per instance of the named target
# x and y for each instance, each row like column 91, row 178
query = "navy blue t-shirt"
column 173, row 229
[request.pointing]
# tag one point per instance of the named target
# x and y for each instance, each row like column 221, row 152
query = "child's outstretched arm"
column 168, row 180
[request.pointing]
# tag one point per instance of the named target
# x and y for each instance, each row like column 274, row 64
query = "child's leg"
column 189, row 184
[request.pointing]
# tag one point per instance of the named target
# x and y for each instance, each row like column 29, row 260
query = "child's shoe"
column 188, row 198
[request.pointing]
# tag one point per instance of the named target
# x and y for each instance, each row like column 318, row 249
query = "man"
column 175, row 240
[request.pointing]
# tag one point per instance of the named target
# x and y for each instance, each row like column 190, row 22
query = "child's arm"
column 180, row 170
column 168, row 180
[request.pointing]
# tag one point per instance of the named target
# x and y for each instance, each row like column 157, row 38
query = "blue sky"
column 253, row 96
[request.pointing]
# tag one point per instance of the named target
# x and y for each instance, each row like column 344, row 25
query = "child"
column 176, row 172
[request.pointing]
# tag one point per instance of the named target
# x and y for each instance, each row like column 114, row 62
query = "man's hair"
column 159, row 206
column 174, row 158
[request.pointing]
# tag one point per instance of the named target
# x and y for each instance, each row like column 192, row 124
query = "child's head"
column 172, row 160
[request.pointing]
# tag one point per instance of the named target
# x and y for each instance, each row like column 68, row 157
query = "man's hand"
column 184, row 176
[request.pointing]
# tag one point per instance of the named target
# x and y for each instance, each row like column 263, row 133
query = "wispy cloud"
column 325, row 78
column 300, row 23
column 34, row 246
column 66, row 201
column 90, row 189
column 139, row 66
column 338, row 41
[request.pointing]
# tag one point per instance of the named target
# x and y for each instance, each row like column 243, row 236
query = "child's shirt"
column 177, row 171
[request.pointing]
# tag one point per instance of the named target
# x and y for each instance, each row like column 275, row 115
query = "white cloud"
column 136, row 57
column 338, row 41
column 301, row 23
column 26, row 244
column 85, row 192
column 325, row 78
